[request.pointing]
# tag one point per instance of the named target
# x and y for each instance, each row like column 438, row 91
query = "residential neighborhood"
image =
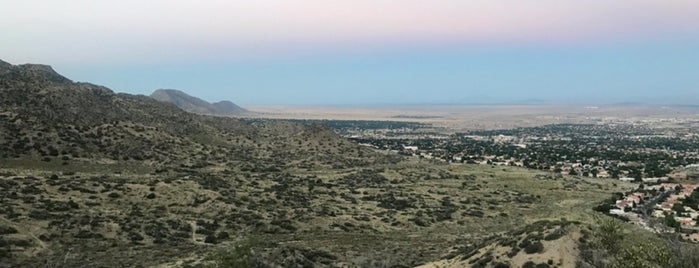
column 630, row 151
column 662, row 207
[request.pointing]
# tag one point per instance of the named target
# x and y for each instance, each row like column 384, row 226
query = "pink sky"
column 100, row 30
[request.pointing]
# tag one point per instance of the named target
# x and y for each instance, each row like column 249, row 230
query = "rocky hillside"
column 91, row 178
column 196, row 105
column 45, row 115
column 102, row 147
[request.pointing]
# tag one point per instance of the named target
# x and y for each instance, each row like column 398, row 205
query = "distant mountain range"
column 196, row 105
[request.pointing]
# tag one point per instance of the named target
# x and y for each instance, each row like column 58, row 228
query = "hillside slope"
column 91, row 178
column 196, row 105
column 44, row 114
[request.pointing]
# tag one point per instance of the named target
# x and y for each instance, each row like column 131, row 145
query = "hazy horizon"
column 312, row 52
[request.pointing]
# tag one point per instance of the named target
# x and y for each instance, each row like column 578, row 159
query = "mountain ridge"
column 196, row 105
column 78, row 117
column 31, row 73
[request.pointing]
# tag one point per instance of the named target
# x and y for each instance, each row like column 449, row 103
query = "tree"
column 671, row 222
column 679, row 208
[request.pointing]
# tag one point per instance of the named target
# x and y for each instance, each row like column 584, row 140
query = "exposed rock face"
column 196, row 105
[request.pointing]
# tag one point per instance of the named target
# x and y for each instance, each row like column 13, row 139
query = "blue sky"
column 353, row 52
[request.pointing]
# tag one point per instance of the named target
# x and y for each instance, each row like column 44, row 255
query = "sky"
column 352, row 52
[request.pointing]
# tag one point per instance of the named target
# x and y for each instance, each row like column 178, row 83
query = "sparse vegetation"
column 123, row 180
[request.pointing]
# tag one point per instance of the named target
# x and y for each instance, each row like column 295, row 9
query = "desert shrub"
column 608, row 235
column 529, row 264
column 21, row 242
column 483, row 262
column 555, row 235
column 85, row 234
column 513, row 252
column 420, row 222
column 5, row 253
column 223, row 235
column 39, row 214
column 501, row 265
column 211, row 239
column 157, row 230
column 284, row 224
column 508, row 242
column 535, row 247
column 644, row 255
column 7, row 230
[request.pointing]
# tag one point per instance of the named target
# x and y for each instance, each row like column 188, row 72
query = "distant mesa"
column 196, row 105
